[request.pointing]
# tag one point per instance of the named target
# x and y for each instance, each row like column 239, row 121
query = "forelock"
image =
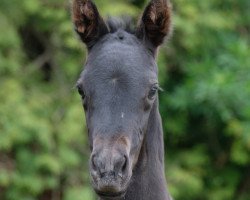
column 126, row 24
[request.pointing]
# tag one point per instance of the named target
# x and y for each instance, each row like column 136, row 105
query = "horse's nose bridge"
column 110, row 144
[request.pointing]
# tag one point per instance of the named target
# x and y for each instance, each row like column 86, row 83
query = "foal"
column 119, row 87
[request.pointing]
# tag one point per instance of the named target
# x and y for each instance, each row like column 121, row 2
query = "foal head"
column 118, row 87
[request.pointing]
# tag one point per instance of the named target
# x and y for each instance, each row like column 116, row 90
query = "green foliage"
column 206, row 104
column 204, row 70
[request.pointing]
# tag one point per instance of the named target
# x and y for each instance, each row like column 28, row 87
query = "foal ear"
column 155, row 23
column 88, row 23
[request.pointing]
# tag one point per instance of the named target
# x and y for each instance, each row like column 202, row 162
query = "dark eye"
column 81, row 92
column 153, row 92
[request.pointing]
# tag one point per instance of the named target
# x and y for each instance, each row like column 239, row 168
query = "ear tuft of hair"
column 156, row 22
column 88, row 23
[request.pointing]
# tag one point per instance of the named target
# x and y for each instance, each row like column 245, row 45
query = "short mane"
column 125, row 23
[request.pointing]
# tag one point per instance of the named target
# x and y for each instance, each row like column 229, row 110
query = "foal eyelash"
column 161, row 89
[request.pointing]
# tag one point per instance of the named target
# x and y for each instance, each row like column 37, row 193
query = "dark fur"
column 124, row 123
column 88, row 23
column 155, row 23
column 126, row 24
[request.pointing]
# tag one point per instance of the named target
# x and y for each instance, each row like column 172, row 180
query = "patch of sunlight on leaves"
column 216, row 21
column 195, row 158
column 189, row 181
column 32, row 6
column 9, row 38
column 14, row 6
column 72, row 128
column 220, row 194
column 239, row 154
column 79, row 193
column 235, row 128
column 118, row 7
column 30, row 183
column 69, row 157
column 48, row 162
column 177, row 127
column 5, row 177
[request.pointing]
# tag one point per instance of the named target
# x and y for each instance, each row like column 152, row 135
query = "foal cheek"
column 134, row 155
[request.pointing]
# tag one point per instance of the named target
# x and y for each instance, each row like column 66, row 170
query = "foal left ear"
column 155, row 23
column 88, row 23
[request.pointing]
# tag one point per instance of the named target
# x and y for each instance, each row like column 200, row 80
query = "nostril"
column 120, row 164
column 124, row 166
column 94, row 163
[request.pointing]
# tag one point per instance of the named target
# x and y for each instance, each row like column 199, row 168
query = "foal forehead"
column 120, row 55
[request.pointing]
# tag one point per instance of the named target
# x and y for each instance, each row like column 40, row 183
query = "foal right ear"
column 88, row 23
column 155, row 23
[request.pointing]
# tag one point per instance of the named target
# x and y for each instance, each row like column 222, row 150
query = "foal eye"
column 81, row 92
column 153, row 92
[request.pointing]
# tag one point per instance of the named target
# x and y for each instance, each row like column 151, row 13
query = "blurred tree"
column 204, row 70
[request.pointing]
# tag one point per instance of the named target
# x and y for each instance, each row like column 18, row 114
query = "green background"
column 205, row 106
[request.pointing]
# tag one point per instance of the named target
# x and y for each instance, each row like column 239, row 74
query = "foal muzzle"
column 110, row 169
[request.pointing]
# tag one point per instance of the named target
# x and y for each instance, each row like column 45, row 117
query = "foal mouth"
column 109, row 195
